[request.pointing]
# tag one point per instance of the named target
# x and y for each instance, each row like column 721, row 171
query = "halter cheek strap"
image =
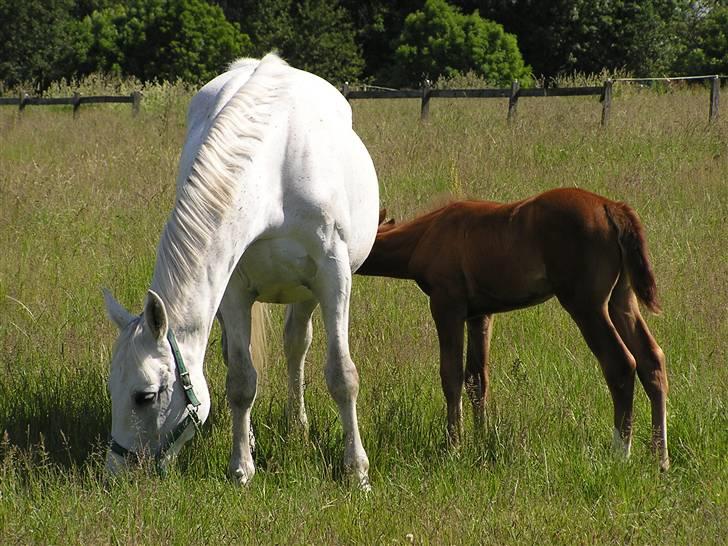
column 191, row 420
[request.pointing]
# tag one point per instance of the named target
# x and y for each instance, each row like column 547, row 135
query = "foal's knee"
column 653, row 373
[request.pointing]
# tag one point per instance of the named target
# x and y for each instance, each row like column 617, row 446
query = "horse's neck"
column 392, row 251
column 192, row 299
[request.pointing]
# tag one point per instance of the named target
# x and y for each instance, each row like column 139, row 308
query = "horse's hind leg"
column 449, row 324
column 332, row 286
column 235, row 311
column 625, row 313
column 617, row 363
column 480, row 330
column 297, row 334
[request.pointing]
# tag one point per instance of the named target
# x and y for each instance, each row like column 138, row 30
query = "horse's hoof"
column 241, row 476
column 364, row 486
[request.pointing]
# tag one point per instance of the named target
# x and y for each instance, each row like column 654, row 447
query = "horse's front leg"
column 480, row 330
column 242, row 378
column 449, row 323
column 297, row 335
column 333, row 287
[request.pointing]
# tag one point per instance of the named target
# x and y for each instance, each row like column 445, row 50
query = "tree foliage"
column 392, row 42
column 314, row 35
column 162, row 40
column 37, row 40
column 564, row 36
column 440, row 41
column 707, row 52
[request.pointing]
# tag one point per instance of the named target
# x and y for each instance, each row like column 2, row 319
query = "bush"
column 441, row 41
column 162, row 40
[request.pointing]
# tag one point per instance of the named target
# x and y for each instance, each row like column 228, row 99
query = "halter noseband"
column 190, row 420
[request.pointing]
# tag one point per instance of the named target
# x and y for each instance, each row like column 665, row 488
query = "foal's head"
column 384, row 225
column 149, row 408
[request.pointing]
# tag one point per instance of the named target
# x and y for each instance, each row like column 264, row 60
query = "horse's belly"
column 278, row 271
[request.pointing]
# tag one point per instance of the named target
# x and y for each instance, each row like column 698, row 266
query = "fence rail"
column 514, row 93
column 76, row 101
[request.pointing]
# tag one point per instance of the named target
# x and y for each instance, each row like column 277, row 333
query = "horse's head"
column 152, row 413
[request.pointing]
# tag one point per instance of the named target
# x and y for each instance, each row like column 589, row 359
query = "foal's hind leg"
column 332, row 286
column 297, row 334
column 625, row 313
column 617, row 363
column 235, row 311
column 449, row 324
column 480, row 330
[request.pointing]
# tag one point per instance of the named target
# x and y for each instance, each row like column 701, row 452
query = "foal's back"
column 504, row 256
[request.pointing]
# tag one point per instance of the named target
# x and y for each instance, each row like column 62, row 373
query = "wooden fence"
column 76, row 101
column 515, row 92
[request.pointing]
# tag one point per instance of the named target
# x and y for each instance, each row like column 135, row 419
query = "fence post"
column 76, row 104
column 513, row 100
column 136, row 99
column 425, row 106
column 23, row 100
column 606, row 102
column 345, row 90
column 714, row 99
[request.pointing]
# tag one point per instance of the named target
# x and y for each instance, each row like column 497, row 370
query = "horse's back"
column 328, row 174
column 308, row 167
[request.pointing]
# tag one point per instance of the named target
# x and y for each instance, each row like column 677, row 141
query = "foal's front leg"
column 480, row 330
column 449, row 324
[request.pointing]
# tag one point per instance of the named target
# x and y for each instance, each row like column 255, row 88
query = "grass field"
column 82, row 204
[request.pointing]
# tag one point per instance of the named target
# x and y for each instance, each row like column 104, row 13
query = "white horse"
column 277, row 201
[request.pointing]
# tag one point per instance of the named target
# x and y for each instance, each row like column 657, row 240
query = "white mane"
column 217, row 170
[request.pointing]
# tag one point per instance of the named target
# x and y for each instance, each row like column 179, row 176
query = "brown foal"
column 477, row 258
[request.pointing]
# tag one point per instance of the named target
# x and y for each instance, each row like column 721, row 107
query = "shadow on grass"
column 62, row 418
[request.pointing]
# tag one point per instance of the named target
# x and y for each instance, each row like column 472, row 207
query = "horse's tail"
column 634, row 252
column 259, row 321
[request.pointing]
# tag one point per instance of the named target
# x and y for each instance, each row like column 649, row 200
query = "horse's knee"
column 342, row 379
column 241, row 384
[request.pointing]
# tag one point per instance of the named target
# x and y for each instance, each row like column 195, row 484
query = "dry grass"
column 82, row 204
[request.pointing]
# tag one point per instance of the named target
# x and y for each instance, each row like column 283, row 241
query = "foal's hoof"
column 664, row 465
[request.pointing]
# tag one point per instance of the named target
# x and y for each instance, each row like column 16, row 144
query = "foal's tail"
column 634, row 252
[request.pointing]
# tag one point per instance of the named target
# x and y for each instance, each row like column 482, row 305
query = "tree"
column 163, row 40
column 563, row 36
column 442, row 41
column 39, row 41
column 706, row 43
column 314, row 35
column 378, row 24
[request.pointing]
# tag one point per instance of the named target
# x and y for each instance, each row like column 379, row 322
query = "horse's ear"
column 155, row 315
column 382, row 215
column 120, row 316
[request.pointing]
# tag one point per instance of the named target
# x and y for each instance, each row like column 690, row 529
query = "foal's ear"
column 155, row 315
column 120, row 316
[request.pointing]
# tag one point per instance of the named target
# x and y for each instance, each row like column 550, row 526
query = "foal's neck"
column 392, row 251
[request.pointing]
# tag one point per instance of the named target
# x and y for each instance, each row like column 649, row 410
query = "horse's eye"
column 143, row 398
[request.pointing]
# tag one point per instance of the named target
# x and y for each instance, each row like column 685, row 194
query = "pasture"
column 82, row 205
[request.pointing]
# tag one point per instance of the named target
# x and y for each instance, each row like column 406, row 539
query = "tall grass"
column 82, row 206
